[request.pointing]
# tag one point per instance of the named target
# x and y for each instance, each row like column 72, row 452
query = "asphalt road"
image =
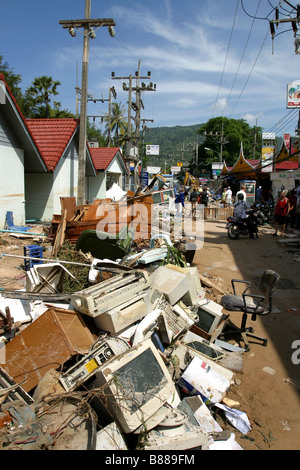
column 268, row 386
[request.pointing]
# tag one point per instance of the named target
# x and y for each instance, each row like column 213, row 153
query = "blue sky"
column 207, row 58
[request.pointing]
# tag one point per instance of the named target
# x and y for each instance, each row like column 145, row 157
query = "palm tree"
column 40, row 92
column 118, row 123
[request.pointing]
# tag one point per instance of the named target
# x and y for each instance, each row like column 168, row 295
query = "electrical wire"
column 248, row 78
column 256, row 17
column 244, row 51
column 225, row 62
column 281, row 121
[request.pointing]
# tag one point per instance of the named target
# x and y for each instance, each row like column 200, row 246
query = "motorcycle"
column 265, row 212
column 236, row 227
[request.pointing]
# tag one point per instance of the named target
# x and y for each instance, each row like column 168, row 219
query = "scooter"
column 236, row 227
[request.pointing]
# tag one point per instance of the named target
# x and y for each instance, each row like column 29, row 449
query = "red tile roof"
column 103, row 156
column 51, row 137
column 287, row 165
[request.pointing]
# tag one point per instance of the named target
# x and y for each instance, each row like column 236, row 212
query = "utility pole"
column 294, row 23
column 136, row 107
column 220, row 139
column 88, row 26
column 113, row 92
column 254, row 145
column 144, row 128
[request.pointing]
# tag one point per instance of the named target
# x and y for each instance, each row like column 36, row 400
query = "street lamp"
column 206, row 148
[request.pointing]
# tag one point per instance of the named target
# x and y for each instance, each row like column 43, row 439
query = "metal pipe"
column 45, row 259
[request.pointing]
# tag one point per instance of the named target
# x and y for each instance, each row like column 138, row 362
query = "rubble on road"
column 116, row 354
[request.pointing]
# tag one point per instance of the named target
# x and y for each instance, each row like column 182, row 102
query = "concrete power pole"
column 136, row 107
column 87, row 24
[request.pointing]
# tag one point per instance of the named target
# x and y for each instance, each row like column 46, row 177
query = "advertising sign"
column 175, row 169
column 267, row 155
column 153, row 169
column 152, row 149
column 293, row 94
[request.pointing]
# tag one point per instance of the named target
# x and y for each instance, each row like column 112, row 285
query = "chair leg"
column 260, row 338
column 245, row 333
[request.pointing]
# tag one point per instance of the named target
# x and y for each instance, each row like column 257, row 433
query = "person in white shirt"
column 242, row 191
column 228, row 196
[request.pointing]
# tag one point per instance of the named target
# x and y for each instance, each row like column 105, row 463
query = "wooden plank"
column 60, row 234
column 68, row 204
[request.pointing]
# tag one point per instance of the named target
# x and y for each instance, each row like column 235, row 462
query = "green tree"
column 95, row 134
column 12, row 79
column 38, row 97
column 235, row 133
column 118, row 124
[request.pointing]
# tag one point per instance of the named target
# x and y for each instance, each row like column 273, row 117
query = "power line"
column 228, row 47
column 245, row 48
column 248, row 78
column 256, row 17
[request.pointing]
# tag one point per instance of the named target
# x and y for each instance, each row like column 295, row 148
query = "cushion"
column 235, row 303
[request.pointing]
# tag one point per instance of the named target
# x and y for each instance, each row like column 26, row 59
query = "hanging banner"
column 293, row 94
column 267, row 155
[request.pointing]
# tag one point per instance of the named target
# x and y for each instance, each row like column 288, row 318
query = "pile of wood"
column 103, row 215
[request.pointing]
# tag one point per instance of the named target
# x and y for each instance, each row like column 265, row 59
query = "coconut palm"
column 118, row 123
column 40, row 92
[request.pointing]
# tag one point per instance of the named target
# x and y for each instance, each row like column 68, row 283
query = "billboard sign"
column 267, row 157
column 152, row 149
column 293, row 94
column 153, row 169
column 175, row 169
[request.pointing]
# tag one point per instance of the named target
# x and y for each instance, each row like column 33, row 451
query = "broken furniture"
column 105, row 215
column 11, row 391
column 117, row 302
column 46, row 343
column 250, row 304
column 9, row 224
column 6, row 321
column 32, row 251
column 47, row 278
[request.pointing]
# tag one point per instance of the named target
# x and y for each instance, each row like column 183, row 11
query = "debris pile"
column 116, row 354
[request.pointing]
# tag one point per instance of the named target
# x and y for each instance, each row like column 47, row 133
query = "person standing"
column 194, row 200
column 259, row 194
column 281, row 212
column 292, row 213
column 224, row 197
column 229, row 196
column 204, row 196
column 179, row 202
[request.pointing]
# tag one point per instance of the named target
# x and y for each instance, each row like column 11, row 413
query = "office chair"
column 250, row 304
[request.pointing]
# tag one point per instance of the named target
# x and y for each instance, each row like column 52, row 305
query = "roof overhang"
column 33, row 161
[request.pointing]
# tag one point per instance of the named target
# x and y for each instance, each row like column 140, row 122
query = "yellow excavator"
column 190, row 180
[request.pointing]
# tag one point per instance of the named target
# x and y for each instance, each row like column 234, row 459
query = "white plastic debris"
column 237, row 418
column 204, row 378
column 229, row 444
column 115, row 193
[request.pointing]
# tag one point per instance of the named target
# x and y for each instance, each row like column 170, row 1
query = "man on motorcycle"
column 240, row 211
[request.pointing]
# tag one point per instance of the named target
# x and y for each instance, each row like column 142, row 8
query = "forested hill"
column 177, row 141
